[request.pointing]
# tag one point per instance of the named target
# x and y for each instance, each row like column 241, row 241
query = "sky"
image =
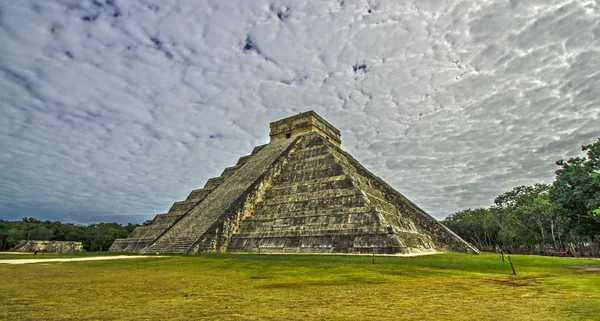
column 111, row 110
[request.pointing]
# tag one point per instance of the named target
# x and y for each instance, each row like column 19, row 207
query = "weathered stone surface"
column 298, row 194
column 48, row 246
column 307, row 122
column 190, row 228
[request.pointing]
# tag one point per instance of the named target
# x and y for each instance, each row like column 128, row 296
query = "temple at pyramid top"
column 303, row 123
column 300, row 193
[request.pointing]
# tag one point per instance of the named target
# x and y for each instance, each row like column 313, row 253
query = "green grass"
column 30, row 255
column 304, row 287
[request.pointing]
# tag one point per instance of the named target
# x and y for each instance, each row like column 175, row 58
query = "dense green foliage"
column 561, row 216
column 95, row 237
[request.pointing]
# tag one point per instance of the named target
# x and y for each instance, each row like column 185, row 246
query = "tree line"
column 562, row 216
column 95, row 237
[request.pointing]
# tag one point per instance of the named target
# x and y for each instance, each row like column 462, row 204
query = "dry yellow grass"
column 241, row 287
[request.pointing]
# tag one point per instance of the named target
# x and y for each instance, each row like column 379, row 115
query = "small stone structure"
column 48, row 246
column 301, row 193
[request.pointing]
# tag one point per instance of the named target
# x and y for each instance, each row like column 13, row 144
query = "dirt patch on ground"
column 532, row 280
column 118, row 257
column 517, row 282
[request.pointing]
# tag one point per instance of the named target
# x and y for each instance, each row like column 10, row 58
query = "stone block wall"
column 304, row 123
column 48, row 246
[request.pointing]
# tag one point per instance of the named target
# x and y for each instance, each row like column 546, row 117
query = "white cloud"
column 116, row 109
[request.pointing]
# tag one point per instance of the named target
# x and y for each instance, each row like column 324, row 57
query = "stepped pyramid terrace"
column 300, row 193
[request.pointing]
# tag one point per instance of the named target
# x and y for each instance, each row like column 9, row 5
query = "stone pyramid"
column 301, row 193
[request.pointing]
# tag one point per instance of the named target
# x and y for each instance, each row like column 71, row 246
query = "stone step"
column 198, row 194
column 340, row 242
column 172, row 250
column 187, row 236
column 321, row 161
column 310, row 196
column 187, row 242
column 146, row 232
column 229, row 171
column 179, row 245
column 165, row 219
column 355, row 200
column 344, row 218
column 129, row 245
column 309, row 156
column 181, row 207
column 308, row 229
column 309, row 152
column 356, row 210
column 212, row 183
column 320, row 249
column 357, row 231
column 340, row 181
column 257, row 149
column 242, row 160
column 308, row 175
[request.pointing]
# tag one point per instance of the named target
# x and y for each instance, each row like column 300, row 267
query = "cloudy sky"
column 111, row 110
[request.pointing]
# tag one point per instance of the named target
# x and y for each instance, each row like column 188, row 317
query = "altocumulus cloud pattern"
column 113, row 109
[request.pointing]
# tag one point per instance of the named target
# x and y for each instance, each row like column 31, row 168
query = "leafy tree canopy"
column 576, row 191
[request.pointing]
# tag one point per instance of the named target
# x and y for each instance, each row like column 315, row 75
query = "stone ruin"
column 48, row 246
column 300, row 193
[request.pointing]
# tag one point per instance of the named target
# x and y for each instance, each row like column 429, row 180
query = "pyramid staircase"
column 144, row 236
column 19, row 246
column 190, row 227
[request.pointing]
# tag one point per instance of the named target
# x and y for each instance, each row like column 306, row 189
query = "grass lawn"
column 286, row 287
column 30, row 255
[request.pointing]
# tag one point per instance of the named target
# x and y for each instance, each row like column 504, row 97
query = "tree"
column 564, row 214
column 15, row 236
column 524, row 216
column 4, row 234
column 477, row 226
column 68, row 232
column 95, row 237
column 41, row 233
column 100, row 236
column 130, row 227
column 575, row 193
